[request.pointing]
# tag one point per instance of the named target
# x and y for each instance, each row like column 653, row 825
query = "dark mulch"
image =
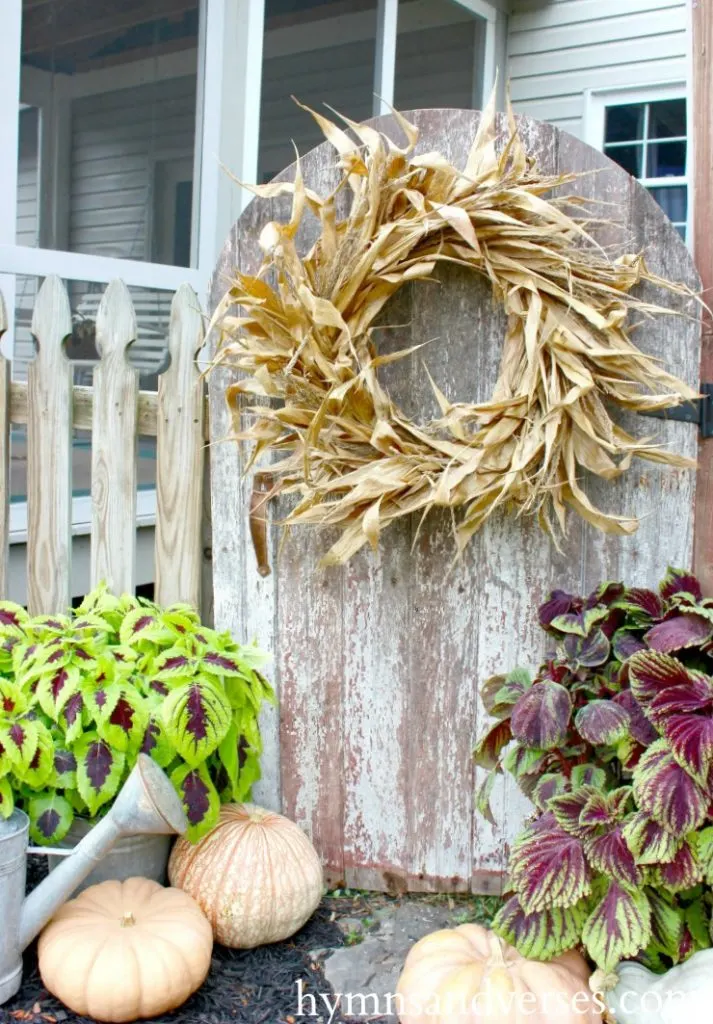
column 257, row 986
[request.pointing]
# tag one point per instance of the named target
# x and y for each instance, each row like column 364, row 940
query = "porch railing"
column 117, row 413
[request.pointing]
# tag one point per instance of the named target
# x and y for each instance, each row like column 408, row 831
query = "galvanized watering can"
column 147, row 803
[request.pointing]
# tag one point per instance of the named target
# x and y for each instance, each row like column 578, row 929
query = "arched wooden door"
column 378, row 663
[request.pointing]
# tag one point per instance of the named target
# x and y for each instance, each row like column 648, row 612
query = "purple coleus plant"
column 612, row 740
column 82, row 695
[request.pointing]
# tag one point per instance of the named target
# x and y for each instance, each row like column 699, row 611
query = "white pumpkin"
column 684, row 995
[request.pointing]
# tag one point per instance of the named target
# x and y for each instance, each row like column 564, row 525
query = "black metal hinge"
column 699, row 410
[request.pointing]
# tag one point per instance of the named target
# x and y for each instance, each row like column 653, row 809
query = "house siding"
column 559, row 50
column 26, row 233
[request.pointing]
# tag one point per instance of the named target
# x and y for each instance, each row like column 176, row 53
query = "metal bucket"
column 13, row 866
column 141, row 856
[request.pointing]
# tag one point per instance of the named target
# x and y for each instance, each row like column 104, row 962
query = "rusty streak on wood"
column 82, row 402
column 378, row 663
column 701, row 118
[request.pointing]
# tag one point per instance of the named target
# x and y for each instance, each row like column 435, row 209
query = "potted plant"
column 81, row 695
column 612, row 739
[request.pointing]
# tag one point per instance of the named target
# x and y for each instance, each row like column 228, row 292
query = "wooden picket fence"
column 117, row 413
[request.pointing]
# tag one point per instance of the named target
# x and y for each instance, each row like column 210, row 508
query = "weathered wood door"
column 378, row 663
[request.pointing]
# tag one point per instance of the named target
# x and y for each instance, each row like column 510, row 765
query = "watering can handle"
column 50, row 851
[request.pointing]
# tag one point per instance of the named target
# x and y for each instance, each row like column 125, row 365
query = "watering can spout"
column 148, row 803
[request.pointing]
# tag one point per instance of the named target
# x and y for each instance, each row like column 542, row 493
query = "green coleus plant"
column 612, row 739
column 82, row 695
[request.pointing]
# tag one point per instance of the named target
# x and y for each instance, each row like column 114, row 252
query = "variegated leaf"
column 651, row 672
column 541, row 716
column 196, row 716
column 667, row 792
column 50, row 819
column 489, row 747
column 618, row 927
column 683, row 872
column 99, row 770
column 542, row 935
column 55, row 687
column 649, row 841
column 200, row 799
column 610, row 855
column 551, row 784
column 7, row 802
column 587, row 775
column 38, row 771
column 548, row 867
column 601, row 722
column 155, row 742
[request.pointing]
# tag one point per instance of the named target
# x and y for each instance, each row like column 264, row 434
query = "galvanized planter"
column 144, row 856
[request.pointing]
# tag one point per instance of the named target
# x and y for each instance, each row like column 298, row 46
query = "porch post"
column 10, row 52
column 701, row 117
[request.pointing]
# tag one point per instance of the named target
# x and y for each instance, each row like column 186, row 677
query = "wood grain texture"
column 49, row 454
column 179, row 458
column 378, row 663
column 114, row 441
column 5, row 373
column 701, row 117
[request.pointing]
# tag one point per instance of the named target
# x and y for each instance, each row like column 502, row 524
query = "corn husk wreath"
column 354, row 458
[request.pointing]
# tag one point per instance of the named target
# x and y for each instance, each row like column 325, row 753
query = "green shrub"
column 81, row 695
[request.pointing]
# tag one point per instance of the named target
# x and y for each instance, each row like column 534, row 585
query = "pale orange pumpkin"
column 468, row 975
column 256, row 876
column 122, row 951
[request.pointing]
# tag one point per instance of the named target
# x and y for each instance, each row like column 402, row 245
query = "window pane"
column 624, row 123
column 28, row 177
column 438, row 56
column 628, row 157
column 319, row 52
column 673, row 201
column 667, row 119
column 666, row 159
column 116, row 84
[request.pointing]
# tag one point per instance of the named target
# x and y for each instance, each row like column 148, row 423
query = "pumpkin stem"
column 128, row 920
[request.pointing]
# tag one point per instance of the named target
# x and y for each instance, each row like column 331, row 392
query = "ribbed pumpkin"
column 468, row 975
column 256, row 876
column 126, row 950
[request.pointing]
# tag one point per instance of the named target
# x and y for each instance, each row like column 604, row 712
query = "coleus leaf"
column 651, row 672
column 649, row 841
column 99, row 770
column 704, row 850
column 196, row 717
column 72, row 717
column 175, row 663
column 666, row 922
column 548, row 867
column 522, row 761
column 13, row 700
column 55, row 687
column 568, row 809
column 683, row 872
column 625, row 644
column 12, row 618
column 602, row 722
column 219, row 663
column 680, row 631
column 587, row 651
column 65, row 769
column 679, row 581
column 687, row 698
column 200, row 799
column 123, row 718
column 40, row 768
column 482, row 796
column 558, row 603
column 542, row 935
column 640, row 727
column 143, row 623
column 618, row 927
column 667, row 792
column 19, row 741
column 697, row 929
column 7, row 802
column 50, row 816
column 156, row 743
column 609, row 854
column 499, row 693
column 644, row 606
column 690, row 738
column 579, row 623
column 604, row 808
column 488, row 748
column 587, row 775
column 551, row 784
column 541, row 716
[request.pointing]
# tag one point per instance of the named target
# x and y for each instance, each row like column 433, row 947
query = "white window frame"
column 229, row 78
column 596, row 102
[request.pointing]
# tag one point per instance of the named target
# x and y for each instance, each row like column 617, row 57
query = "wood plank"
column 114, row 444
column 5, row 493
column 49, row 454
column 179, row 458
column 83, row 405
column 702, row 133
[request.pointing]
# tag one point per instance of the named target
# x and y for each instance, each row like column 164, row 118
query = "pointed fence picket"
column 116, row 413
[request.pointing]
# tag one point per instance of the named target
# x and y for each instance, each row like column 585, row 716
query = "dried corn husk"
column 353, row 457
